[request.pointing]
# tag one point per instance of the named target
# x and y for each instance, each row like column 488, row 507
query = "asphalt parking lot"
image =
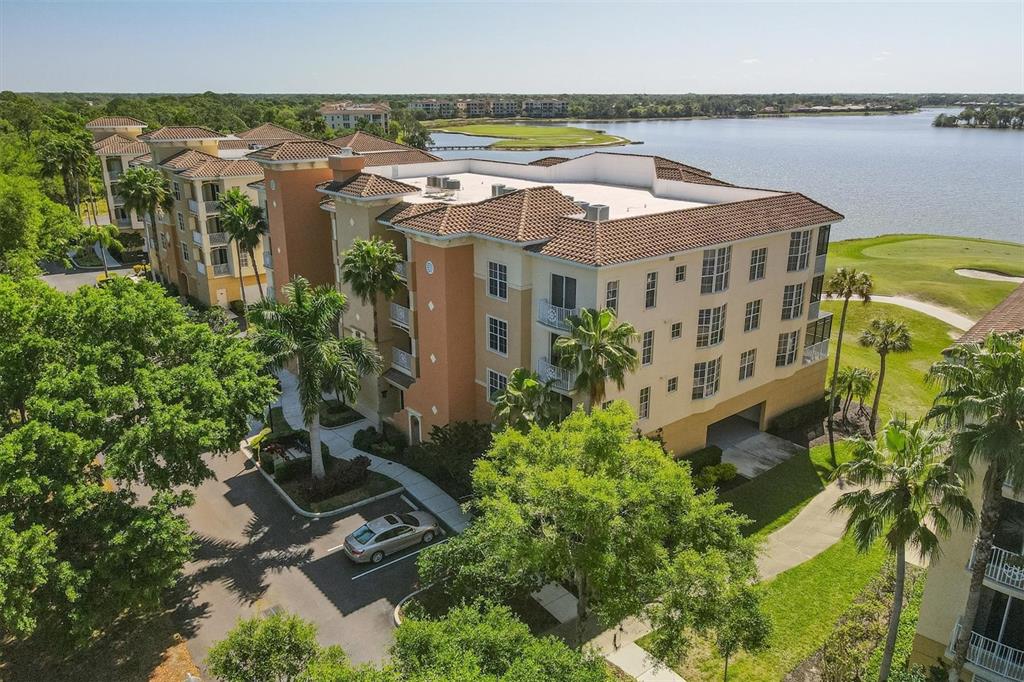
column 255, row 555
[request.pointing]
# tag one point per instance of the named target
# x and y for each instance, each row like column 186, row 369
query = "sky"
column 512, row 47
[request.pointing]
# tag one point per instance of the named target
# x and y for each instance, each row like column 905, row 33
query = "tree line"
column 990, row 116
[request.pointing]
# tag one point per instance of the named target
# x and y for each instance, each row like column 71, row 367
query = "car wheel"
column 376, row 557
column 428, row 537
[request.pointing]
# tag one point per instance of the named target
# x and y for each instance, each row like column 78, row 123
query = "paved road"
column 71, row 280
column 255, row 554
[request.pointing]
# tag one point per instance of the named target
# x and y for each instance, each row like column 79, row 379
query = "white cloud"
column 751, row 60
column 882, row 56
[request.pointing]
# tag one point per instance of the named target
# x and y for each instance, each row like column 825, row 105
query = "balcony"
column 1005, row 568
column 124, row 222
column 197, row 237
column 200, row 268
column 114, row 175
column 212, row 207
column 404, row 362
column 988, row 654
column 219, row 238
column 401, row 316
column 564, row 379
column 554, row 316
column 815, row 352
column 221, row 269
column 813, row 310
column 118, row 200
column 819, row 263
column 268, row 259
column 402, row 270
column 193, row 206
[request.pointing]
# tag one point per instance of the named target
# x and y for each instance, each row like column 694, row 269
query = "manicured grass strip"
column 804, row 604
column 922, row 267
column 905, row 389
column 536, row 136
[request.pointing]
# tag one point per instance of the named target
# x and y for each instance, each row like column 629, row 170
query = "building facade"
column 545, row 108
column 345, row 115
column 116, row 143
column 434, row 108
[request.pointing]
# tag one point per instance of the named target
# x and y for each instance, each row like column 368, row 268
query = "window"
column 816, row 286
column 497, row 280
column 181, row 222
column 706, row 378
column 680, row 273
column 799, row 250
column 496, row 383
column 714, row 274
column 758, row 257
column 651, row 290
column 677, row 330
column 497, row 335
column 752, row 316
column 611, row 295
column 710, row 326
column 819, row 331
column 793, row 301
column 673, row 384
column 176, row 189
column 563, row 292
column 786, row 353
column 645, row 402
column 185, row 255
column 823, row 236
column 647, row 348
column 243, row 259
column 747, row 359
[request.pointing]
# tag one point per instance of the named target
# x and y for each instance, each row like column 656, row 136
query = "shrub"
column 290, row 469
column 705, row 457
column 342, row 475
column 365, row 439
column 711, row 476
column 266, row 458
column 237, row 307
column 800, row 417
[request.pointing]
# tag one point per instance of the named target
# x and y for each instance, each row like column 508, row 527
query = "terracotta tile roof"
column 298, row 150
column 187, row 158
column 223, row 168
column 526, row 215
column 115, row 122
column 141, row 160
column 549, row 161
column 398, row 158
column 327, row 204
column 119, row 145
column 667, row 169
column 658, row 234
column 1008, row 316
column 360, row 142
column 270, row 131
column 404, row 209
column 181, row 133
column 366, row 186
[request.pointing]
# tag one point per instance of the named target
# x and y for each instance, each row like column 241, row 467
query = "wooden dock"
column 456, row 147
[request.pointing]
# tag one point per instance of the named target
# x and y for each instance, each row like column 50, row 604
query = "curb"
column 316, row 515
column 396, row 615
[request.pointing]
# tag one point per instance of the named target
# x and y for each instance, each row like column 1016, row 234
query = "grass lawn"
column 904, row 389
column 536, row 137
column 922, row 266
column 803, row 604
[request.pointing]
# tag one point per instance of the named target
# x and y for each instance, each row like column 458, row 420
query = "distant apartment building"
column 996, row 645
column 433, row 108
column 722, row 282
column 345, row 115
column 501, row 108
column 545, row 108
column 472, row 108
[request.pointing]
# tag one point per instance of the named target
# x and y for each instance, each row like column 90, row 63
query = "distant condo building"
column 500, row 108
column 434, row 108
column 473, row 108
column 722, row 282
column 345, row 115
column 545, row 108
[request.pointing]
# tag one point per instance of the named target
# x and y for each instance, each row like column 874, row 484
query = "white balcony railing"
column 402, row 270
column 193, row 206
column 197, row 237
column 819, row 263
column 815, row 352
column 564, row 379
column 221, row 269
column 1004, row 567
column 403, row 361
column 212, row 207
column 218, row 238
column 200, row 267
column 553, row 315
column 813, row 310
column 991, row 655
column 401, row 316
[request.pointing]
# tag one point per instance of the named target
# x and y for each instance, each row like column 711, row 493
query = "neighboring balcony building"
column 473, row 108
column 345, row 115
column 434, row 108
column 501, row 108
column 996, row 649
column 545, row 108
column 116, row 143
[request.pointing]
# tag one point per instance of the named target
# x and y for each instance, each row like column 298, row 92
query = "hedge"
column 705, row 457
column 809, row 414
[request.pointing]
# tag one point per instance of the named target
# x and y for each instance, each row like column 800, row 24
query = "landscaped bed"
column 536, row 137
column 433, row 603
column 309, row 497
column 334, row 413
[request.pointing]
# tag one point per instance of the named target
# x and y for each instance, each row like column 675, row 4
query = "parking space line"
column 395, row 561
column 335, row 549
column 409, row 502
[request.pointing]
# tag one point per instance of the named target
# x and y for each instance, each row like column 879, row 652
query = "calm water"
column 884, row 173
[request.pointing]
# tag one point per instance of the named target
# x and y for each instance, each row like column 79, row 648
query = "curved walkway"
column 339, row 442
column 947, row 315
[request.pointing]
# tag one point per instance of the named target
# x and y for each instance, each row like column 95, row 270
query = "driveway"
column 751, row 450
column 69, row 281
column 254, row 555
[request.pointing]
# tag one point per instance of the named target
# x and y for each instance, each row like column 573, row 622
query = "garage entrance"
column 744, row 445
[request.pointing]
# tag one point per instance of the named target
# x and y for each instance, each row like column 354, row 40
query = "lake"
column 884, row 173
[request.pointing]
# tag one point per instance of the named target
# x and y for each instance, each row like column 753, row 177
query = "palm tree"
column 107, row 237
column 144, row 190
column 599, row 349
column 845, row 283
column 359, row 358
column 300, row 328
column 369, row 268
column 245, row 226
column 885, row 336
column 67, row 156
column 982, row 398
column 861, row 383
column 842, row 385
column 527, row 399
column 911, row 496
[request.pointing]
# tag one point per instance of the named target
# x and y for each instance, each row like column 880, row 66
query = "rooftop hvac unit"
column 582, row 206
column 497, row 190
column 597, row 212
column 451, row 184
column 433, row 181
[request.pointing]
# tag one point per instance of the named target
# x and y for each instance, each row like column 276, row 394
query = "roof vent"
column 433, row 181
column 497, row 190
column 597, row 212
column 345, row 151
column 582, row 205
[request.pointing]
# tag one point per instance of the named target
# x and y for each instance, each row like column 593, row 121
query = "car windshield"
column 363, row 535
column 409, row 520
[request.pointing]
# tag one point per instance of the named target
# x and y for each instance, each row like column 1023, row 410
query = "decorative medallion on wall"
column 429, row 265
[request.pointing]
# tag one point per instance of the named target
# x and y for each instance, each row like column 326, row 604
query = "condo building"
column 996, row 645
column 545, row 108
column 345, row 115
column 472, row 108
column 434, row 108
column 116, row 143
column 722, row 282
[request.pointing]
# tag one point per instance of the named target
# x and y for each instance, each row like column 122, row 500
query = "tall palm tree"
column 911, row 496
column 845, row 283
column 368, row 266
column 527, row 399
column 245, row 226
column 107, row 237
column 981, row 398
column 884, row 336
column 861, row 383
column 599, row 349
column 300, row 328
column 359, row 358
column 145, row 190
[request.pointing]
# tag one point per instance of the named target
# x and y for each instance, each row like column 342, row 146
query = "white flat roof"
column 622, row 201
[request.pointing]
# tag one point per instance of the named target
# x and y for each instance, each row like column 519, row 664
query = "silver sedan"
column 390, row 533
